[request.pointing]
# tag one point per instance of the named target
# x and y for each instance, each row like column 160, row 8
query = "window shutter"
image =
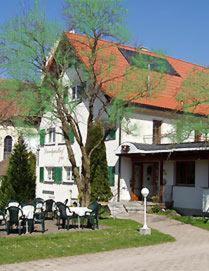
column 41, row 175
column 42, row 137
column 72, row 137
column 57, row 175
column 111, row 176
column 111, row 134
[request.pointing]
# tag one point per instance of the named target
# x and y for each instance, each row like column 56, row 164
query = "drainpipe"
column 119, row 163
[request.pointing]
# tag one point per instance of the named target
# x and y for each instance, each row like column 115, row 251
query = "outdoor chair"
column 49, row 208
column 14, row 217
column 13, row 203
column 39, row 217
column 2, row 217
column 28, row 212
column 93, row 217
column 63, row 213
column 38, row 201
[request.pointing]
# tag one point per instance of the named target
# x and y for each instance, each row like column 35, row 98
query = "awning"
column 140, row 148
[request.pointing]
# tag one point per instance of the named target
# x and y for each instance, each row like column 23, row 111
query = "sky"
column 178, row 28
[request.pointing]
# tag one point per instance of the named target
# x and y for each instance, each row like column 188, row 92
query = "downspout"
column 119, row 164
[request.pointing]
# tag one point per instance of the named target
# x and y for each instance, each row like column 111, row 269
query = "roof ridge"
column 145, row 52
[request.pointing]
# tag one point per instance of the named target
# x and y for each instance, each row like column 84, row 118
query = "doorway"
column 145, row 174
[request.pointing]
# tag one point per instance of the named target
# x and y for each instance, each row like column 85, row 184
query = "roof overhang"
column 128, row 148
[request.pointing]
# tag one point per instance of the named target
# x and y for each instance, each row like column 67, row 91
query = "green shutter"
column 41, row 175
column 112, row 134
column 72, row 137
column 42, row 137
column 57, row 175
column 111, row 175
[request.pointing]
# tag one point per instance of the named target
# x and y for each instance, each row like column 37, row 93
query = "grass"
column 194, row 221
column 119, row 233
column 200, row 222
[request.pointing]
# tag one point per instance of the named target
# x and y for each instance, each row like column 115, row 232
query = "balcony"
column 171, row 138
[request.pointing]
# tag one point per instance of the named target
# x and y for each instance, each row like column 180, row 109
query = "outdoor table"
column 80, row 211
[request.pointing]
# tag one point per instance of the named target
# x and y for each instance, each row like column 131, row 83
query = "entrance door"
column 137, row 182
column 151, row 178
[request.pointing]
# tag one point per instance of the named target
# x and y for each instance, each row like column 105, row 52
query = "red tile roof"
column 165, row 98
column 8, row 107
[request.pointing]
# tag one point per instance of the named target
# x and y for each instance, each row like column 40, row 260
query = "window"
column 68, row 174
column 50, row 174
column 157, row 131
column 7, row 146
column 144, row 61
column 185, row 173
column 77, row 92
column 52, row 135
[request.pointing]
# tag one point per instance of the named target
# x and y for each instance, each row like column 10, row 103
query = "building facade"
column 141, row 151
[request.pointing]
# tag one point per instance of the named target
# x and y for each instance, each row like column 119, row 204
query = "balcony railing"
column 171, row 138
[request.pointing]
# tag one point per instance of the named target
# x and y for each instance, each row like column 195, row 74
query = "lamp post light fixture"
column 145, row 230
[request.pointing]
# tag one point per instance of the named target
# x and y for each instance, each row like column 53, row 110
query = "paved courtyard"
column 190, row 252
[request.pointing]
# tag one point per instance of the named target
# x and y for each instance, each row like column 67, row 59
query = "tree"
column 19, row 184
column 100, row 188
column 35, row 51
column 194, row 98
column 6, row 192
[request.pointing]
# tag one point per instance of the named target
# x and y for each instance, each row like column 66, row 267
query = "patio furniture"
column 39, row 217
column 13, row 203
column 2, row 217
column 28, row 212
column 63, row 213
column 93, row 216
column 49, row 208
column 80, row 212
column 14, row 217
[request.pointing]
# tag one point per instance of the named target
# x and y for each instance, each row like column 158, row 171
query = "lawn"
column 200, row 222
column 118, row 234
column 194, row 221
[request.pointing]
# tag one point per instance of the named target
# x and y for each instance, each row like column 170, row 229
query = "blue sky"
column 179, row 28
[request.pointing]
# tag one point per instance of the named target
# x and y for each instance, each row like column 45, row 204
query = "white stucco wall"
column 192, row 197
column 30, row 137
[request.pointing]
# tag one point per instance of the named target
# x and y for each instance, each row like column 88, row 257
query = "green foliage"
column 97, row 18
column 26, row 41
column 19, row 184
column 100, row 188
column 155, row 209
column 6, row 191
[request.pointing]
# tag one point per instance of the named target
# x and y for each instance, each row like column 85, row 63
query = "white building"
column 177, row 173
column 9, row 133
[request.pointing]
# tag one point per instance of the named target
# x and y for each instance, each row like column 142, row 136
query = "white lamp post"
column 145, row 230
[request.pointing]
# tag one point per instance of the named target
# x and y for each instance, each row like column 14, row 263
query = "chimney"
column 144, row 49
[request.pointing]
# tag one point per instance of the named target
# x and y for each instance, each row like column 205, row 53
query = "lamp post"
column 145, row 230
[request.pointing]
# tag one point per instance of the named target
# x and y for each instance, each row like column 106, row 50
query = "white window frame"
column 69, row 175
column 49, row 174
